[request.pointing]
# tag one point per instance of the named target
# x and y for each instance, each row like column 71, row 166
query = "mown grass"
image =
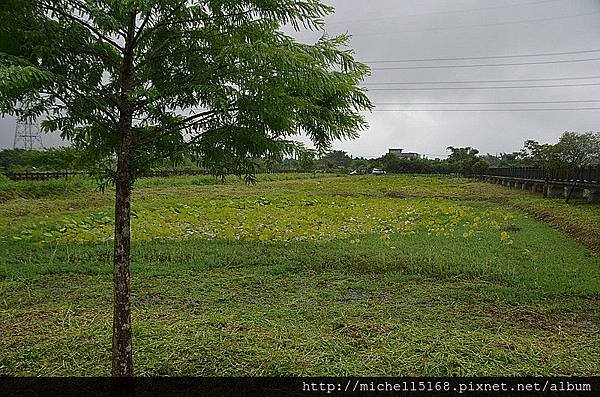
column 358, row 304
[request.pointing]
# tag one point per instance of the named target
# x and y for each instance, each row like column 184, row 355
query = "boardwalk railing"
column 567, row 183
column 44, row 176
column 589, row 175
column 41, row 176
column 168, row 174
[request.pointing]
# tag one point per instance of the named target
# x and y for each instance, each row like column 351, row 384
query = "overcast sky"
column 393, row 30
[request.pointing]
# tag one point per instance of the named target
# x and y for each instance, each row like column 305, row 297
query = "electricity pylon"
column 28, row 135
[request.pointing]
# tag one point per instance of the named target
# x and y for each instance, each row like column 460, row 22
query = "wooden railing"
column 48, row 175
column 589, row 174
column 41, row 176
column 44, row 176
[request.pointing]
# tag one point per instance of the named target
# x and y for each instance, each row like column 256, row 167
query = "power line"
column 483, row 88
column 484, row 110
column 488, row 64
column 484, row 81
column 481, row 25
column 488, row 57
column 345, row 21
column 483, row 103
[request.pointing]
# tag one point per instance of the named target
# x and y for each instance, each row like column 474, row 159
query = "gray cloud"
column 418, row 29
column 394, row 30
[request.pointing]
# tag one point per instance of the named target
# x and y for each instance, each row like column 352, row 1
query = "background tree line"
column 572, row 150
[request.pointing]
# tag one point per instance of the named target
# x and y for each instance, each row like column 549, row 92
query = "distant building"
column 405, row 156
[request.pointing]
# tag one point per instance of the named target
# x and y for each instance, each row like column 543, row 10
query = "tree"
column 10, row 41
column 145, row 80
column 307, row 160
column 336, row 159
column 578, row 150
column 572, row 150
column 463, row 158
column 390, row 162
column 541, row 155
column 480, row 166
column 360, row 165
column 461, row 153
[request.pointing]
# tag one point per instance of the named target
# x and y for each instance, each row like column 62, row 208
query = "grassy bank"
column 334, row 276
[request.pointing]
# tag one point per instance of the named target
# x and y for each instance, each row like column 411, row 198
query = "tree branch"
column 140, row 33
column 152, row 57
column 181, row 125
column 99, row 35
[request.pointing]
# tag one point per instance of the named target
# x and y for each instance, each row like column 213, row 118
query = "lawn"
column 303, row 275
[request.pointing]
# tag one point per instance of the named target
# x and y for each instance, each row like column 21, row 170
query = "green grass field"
column 303, row 275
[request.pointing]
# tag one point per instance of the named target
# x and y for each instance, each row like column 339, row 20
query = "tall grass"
column 51, row 188
column 77, row 184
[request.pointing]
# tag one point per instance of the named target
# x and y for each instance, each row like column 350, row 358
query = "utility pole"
column 28, row 135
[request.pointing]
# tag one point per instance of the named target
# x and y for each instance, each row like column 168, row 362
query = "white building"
column 407, row 156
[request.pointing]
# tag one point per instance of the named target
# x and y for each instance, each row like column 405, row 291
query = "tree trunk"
column 122, row 357
column 122, row 363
